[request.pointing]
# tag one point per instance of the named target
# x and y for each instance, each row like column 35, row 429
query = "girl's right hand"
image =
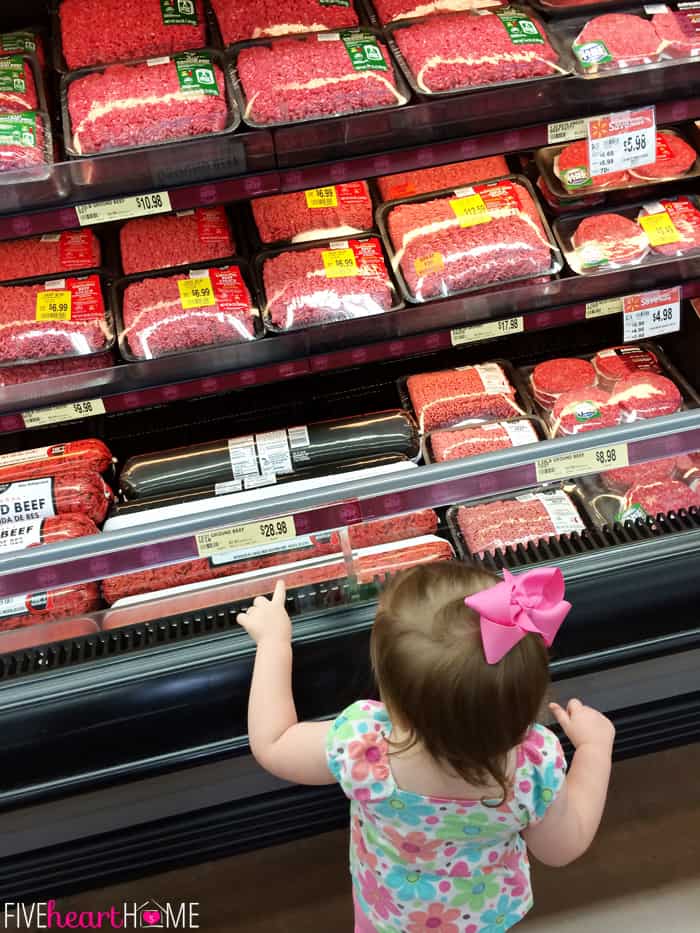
column 584, row 725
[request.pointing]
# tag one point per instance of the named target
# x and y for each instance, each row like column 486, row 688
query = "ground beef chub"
column 608, row 240
column 674, row 157
column 181, row 239
column 453, row 396
column 239, row 20
column 79, row 492
column 334, row 211
column 20, row 612
column 89, row 455
column 454, row 175
column 647, row 395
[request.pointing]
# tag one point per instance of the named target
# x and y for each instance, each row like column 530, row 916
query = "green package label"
column 179, row 13
column 577, row 177
column 586, row 411
column 17, row 42
column 592, row 53
column 632, row 513
column 363, row 50
column 520, row 28
column 343, row 3
column 12, row 75
column 196, row 73
column 18, row 129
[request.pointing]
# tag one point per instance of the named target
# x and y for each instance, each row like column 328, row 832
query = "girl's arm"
column 282, row 745
column 571, row 822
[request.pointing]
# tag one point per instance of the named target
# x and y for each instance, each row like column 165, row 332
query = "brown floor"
column 642, row 874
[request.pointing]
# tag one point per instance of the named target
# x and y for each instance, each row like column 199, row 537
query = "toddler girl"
column 449, row 777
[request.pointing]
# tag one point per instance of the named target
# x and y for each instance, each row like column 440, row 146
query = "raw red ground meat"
column 439, row 257
column 629, row 39
column 299, row 292
column 117, row 30
column 661, row 496
column 454, row 175
column 90, row 455
column 35, row 633
column 450, row 396
column 22, row 337
column 647, row 395
column 22, row 611
column 395, row 528
column 585, row 410
column 22, row 141
column 463, row 50
column 572, row 169
column 306, row 78
column 50, row 530
column 17, row 100
column 155, row 322
column 688, row 463
column 615, row 363
column 81, row 492
column 678, row 31
column 554, row 377
column 18, row 375
column 507, row 523
column 138, row 105
column 175, row 239
column 460, row 443
column 674, row 157
column 608, row 240
column 391, row 10
column 48, row 254
column 685, row 217
column 239, row 20
column 290, row 218
column 620, row 480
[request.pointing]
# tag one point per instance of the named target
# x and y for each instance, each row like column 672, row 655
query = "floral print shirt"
column 428, row 865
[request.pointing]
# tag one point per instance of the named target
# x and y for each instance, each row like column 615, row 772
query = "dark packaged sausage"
column 76, row 491
column 89, row 455
column 271, row 454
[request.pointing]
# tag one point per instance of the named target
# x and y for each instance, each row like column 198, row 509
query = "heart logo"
column 151, row 917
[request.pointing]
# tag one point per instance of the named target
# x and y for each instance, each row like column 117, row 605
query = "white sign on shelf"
column 651, row 314
column 621, row 141
column 140, row 205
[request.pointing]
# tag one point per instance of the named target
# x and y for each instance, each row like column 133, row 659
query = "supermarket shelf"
column 414, row 330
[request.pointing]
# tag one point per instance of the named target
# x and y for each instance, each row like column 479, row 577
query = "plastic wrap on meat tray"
column 141, row 104
column 331, row 211
column 239, row 20
column 468, row 239
column 31, row 372
column 459, row 443
column 461, row 51
column 452, row 397
column 616, row 40
column 118, row 30
column 679, row 30
column 25, row 141
column 439, row 177
column 18, row 86
column 389, row 11
column 311, row 77
column 81, row 492
column 91, row 455
column 644, row 491
column 551, row 379
column 49, row 254
column 341, row 280
column 180, row 239
column 169, row 314
column 60, row 317
column 499, row 524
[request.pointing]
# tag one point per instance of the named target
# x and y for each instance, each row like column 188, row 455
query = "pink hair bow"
column 531, row 602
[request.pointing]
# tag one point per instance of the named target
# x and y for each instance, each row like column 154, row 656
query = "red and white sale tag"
column 651, row 314
column 621, row 141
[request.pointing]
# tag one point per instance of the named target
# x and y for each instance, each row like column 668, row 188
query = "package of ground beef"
column 620, row 480
column 23, row 42
column 672, row 225
column 616, row 363
column 461, row 51
column 452, row 397
column 59, row 317
column 487, row 527
column 49, row 254
column 653, row 497
column 602, row 242
column 674, row 159
column 550, row 379
column 167, row 240
column 316, row 214
column 459, row 443
column 239, row 20
column 583, row 410
column 647, row 395
column 678, row 30
column 145, row 103
column 615, row 41
column 81, row 492
column 25, row 141
column 472, row 238
column 315, row 76
column 174, row 313
column 338, row 281
column 571, row 166
column 18, row 85
column 388, row 11
column 31, row 372
column 454, row 175
column 119, row 30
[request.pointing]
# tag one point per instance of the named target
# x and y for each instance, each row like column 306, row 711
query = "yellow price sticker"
column 196, row 293
column 660, row 229
column 322, row 197
column 604, row 307
column 339, row 263
column 470, row 211
column 53, row 306
column 433, row 263
column 592, row 460
column 235, row 537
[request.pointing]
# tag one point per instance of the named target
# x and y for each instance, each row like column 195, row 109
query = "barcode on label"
column 298, row 437
column 273, row 452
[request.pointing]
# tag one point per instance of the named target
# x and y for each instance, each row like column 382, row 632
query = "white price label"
column 102, row 212
column 621, row 141
column 39, row 417
column 478, row 332
column 602, row 308
column 594, row 460
column 565, row 131
column 651, row 314
column 237, row 537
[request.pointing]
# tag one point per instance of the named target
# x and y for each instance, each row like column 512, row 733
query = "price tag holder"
column 102, row 212
column 566, row 130
column 651, row 314
column 591, row 460
column 478, row 332
column 621, row 141
column 602, row 308
column 222, row 540
column 40, row 417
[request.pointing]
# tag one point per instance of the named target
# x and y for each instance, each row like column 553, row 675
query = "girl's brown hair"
column 433, row 677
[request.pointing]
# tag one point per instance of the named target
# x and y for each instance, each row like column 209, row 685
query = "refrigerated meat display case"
column 123, row 703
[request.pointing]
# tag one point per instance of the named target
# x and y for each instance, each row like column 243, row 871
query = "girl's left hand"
column 267, row 619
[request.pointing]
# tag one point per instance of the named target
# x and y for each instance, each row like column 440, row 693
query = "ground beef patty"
column 678, row 31
column 685, row 217
column 620, row 480
column 660, row 496
column 674, row 157
column 585, row 410
column 552, row 378
column 628, row 39
column 647, row 395
column 608, row 240
column 572, row 168
column 454, row 175
column 615, row 363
